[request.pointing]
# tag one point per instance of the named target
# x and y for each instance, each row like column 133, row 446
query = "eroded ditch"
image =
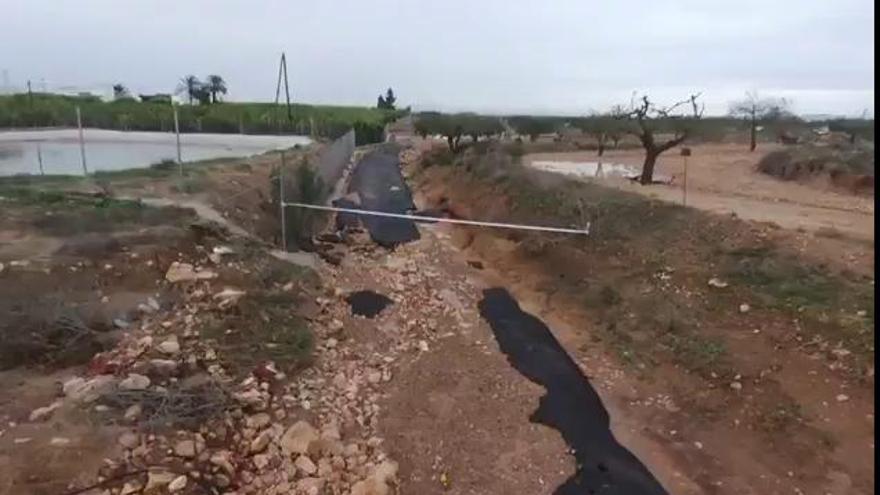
column 571, row 405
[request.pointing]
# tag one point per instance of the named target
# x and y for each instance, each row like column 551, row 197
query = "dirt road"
column 723, row 179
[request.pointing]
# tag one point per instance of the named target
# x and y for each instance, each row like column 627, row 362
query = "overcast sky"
column 501, row 56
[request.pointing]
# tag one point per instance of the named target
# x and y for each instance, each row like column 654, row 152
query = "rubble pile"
column 191, row 427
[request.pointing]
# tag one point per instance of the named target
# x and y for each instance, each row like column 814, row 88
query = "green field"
column 50, row 110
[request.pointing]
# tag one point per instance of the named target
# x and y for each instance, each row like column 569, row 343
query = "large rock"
column 185, row 448
column 305, row 465
column 169, row 346
column 261, row 441
column 258, row 421
column 158, row 479
column 81, row 390
column 177, row 484
column 297, row 438
column 221, row 459
column 134, row 381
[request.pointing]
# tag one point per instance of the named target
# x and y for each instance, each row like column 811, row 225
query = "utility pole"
column 282, row 71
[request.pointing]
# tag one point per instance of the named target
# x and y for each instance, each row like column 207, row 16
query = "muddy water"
column 58, row 150
column 367, row 303
column 380, row 186
column 586, row 169
column 571, row 405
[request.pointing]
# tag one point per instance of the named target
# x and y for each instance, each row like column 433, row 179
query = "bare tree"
column 647, row 116
column 757, row 110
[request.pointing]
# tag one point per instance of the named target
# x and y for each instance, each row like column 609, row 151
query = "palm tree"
column 215, row 85
column 190, row 85
column 120, row 91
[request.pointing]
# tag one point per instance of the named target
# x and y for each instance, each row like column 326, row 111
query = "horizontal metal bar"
column 420, row 218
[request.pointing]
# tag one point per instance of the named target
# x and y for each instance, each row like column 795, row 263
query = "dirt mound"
column 846, row 167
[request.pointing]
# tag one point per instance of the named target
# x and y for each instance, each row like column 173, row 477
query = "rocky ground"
column 234, row 372
column 189, row 398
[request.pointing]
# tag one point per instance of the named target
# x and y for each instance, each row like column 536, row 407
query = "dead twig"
column 105, row 482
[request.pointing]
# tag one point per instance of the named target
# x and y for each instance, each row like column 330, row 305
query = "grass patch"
column 31, row 196
column 545, row 198
column 783, row 417
column 697, row 353
column 104, row 215
column 38, row 180
column 837, row 308
column 262, row 327
column 647, row 319
column 65, row 213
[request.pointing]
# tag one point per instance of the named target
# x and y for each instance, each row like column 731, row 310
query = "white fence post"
column 82, row 143
column 177, row 134
column 281, row 203
column 40, row 158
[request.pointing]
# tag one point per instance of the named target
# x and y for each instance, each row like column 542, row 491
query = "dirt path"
column 456, row 414
column 722, row 179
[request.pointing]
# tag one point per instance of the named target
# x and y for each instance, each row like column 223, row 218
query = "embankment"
column 698, row 307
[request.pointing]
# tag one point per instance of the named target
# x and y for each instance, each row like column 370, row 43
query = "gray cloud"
column 564, row 56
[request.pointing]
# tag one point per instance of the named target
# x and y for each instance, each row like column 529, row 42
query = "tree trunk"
column 753, row 135
column 453, row 143
column 647, row 176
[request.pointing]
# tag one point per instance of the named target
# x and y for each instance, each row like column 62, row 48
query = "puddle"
column 587, row 169
column 571, row 405
column 21, row 152
column 380, row 186
column 367, row 303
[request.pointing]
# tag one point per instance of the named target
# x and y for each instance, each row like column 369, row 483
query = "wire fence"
column 313, row 182
column 82, row 150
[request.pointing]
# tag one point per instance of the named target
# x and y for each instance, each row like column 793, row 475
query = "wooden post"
column 685, row 153
column 685, row 198
column 281, row 204
column 177, row 134
column 82, row 143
